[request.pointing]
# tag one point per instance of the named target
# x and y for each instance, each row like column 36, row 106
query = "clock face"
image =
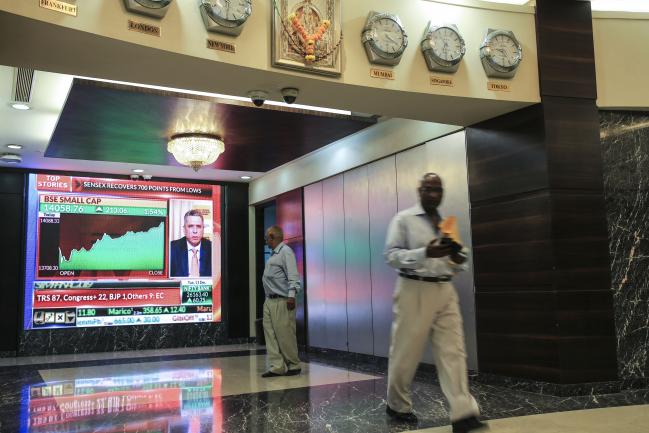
column 504, row 51
column 447, row 44
column 231, row 10
column 389, row 36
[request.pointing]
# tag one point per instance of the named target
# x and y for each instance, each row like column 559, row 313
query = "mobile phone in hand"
column 455, row 247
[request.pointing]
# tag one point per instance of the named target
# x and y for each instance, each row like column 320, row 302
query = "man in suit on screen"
column 191, row 255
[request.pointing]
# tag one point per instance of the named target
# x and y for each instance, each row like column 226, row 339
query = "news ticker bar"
column 61, row 285
column 93, row 303
column 122, row 316
column 98, row 298
column 145, row 320
column 129, row 188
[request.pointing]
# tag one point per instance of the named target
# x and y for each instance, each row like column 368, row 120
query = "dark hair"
column 193, row 212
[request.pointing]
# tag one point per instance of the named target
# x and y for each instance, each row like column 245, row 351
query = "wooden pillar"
column 544, row 303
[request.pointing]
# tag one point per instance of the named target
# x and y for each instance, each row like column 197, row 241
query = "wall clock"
column 384, row 38
column 443, row 47
column 225, row 16
column 152, row 8
column 501, row 54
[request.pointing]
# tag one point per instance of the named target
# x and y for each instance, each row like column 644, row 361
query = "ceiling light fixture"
column 195, row 149
column 619, row 5
column 246, row 177
column 15, row 146
column 11, row 158
column 138, row 170
column 20, row 106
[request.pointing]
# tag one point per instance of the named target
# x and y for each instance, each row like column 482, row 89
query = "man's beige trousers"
column 424, row 312
column 279, row 331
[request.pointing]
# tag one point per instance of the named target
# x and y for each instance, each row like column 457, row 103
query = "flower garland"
column 308, row 40
column 299, row 45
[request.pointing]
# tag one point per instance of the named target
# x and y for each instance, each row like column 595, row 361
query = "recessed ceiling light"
column 10, row 158
column 15, row 146
column 138, row 170
column 246, row 177
column 20, row 106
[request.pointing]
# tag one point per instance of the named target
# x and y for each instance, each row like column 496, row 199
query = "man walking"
column 281, row 282
column 426, row 308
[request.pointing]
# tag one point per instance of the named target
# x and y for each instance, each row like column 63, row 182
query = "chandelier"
column 195, row 149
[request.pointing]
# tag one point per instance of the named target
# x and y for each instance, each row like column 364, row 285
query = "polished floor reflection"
column 222, row 391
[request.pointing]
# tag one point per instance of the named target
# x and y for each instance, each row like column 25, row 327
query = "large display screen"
column 108, row 252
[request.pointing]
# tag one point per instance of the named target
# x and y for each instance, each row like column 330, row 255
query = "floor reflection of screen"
column 178, row 401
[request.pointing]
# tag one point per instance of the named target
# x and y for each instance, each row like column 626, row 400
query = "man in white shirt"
column 281, row 283
column 426, row 308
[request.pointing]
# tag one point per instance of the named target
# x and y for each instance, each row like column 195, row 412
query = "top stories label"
column 48, row 182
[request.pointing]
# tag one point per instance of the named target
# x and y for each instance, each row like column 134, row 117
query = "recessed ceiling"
column 110, row 122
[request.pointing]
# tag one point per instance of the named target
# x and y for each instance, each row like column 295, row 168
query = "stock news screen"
column 112, row 252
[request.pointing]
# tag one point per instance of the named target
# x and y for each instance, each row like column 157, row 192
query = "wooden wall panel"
column 507, row 155
column 565, row 48
column 543, row 289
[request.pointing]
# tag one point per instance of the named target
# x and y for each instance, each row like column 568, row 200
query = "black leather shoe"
column 407, row 417
column 466, row 425
column 271, row 374
column 293, row 372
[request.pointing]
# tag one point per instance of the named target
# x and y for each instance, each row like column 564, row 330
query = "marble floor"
column 628, row 419
column 222, row 391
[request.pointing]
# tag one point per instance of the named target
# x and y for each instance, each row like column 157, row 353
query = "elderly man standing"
column 281, row 283
column 426, row 308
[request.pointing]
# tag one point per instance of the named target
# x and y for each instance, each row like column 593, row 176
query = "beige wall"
column 622, row 60
column 410, row 95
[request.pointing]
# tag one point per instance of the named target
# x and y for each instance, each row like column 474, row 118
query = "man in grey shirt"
column 281, row 283
column 426, row 308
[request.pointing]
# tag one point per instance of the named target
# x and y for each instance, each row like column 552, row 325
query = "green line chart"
column 132, row 251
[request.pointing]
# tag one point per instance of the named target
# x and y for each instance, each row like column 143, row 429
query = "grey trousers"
column 425, row 312
column 279, row 331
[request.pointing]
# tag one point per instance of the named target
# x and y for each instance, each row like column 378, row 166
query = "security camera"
column 290, row 94
column 146, row 176
column 258, row 97
column 134, row 176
